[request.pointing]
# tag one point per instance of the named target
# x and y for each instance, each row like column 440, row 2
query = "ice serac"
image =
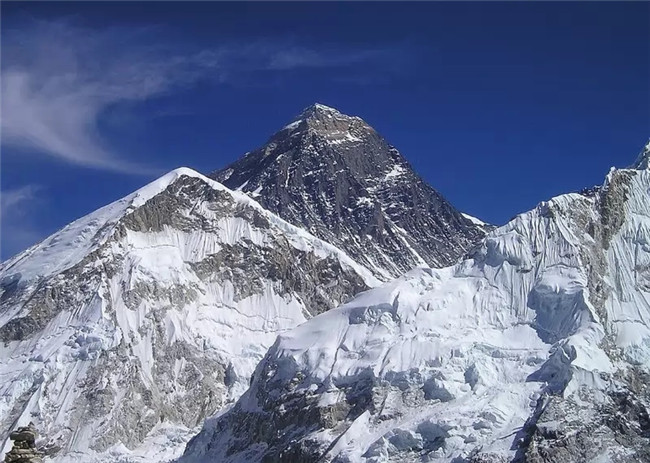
column 335, row 176
column 123, row 331
column 536, row 348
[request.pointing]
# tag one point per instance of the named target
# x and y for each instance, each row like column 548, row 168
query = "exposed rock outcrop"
column 24, row 448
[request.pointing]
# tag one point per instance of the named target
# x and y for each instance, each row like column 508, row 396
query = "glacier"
column 536, row 348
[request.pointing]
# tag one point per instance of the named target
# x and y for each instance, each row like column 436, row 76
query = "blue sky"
column 497, row 105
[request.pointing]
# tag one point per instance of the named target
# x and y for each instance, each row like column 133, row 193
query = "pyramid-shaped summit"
column 329, row 122
column 335, row 176
column 320, row 110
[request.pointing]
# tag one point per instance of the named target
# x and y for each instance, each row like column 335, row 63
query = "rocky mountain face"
column 336, row 177
column 24, row 448
column 125, row 330
column 535, row 348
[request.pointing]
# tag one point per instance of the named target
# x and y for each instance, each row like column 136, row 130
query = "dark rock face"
column 335, row 176
column 24, row 449
column 570, row 430
column 321, row 285
column 274, row 432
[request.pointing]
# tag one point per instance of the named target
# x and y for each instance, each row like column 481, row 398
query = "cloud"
column 17, row 228
column 58, row 78
column 297, row 57
column 10, row 199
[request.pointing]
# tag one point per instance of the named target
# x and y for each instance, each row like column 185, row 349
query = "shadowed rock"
column 24, row 449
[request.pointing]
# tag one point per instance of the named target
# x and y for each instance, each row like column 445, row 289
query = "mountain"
column 535, row 348
column 336, row 177
column 126, row 329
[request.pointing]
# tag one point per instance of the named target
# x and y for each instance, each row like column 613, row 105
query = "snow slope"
column 127, row 328
column 536, row 348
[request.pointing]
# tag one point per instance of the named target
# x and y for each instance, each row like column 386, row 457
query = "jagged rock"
column 335, row 176
column 24, row 448
column 588, row 425
column 25, row 434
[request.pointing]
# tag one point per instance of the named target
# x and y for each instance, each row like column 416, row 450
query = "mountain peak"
column 514, row 329
column 643, row 160
column 329, row 123
column 318, row 109
column 336, row 177
column 319, row 116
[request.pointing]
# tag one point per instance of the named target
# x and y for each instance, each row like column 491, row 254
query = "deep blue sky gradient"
column 497, row 105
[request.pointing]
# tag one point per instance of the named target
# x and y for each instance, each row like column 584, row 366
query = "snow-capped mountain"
column 535, row 348
column 336, row 177
column 127, row 328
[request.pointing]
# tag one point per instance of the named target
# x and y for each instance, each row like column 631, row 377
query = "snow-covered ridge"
column 474, row 220
column 321, row 110
column 548, row 320
column 68, row 246
column 328, row 123
column 126, row 329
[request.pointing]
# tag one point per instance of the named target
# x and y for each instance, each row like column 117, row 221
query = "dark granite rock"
column 335, row 176
column 24, row 449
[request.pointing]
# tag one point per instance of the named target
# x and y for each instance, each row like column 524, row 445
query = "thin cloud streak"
column 58, row 79
column 16, row 228
column 9, row 199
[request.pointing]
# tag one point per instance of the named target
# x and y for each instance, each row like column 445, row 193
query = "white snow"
column 364, row 201
column 293, row 125
column 474, row 220
column 68, row 246
column 396, row 171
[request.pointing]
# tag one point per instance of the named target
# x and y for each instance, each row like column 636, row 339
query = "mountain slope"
column 536, row 348
column 336, row 177
column 130, row 326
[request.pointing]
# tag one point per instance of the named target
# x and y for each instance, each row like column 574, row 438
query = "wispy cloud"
column 10, row 199
column 59, row 78
column 17, row 230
